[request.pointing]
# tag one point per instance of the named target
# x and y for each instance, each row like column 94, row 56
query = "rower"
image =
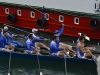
column 84, row 35
column 63, row 45
column 30, row 47
column 55, row 50
column 39, row 44
column 4, row 44
column 15, row 43
column 83, row 52
column 31, row 44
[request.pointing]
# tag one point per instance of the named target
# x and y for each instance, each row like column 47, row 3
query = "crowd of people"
column 33, row 44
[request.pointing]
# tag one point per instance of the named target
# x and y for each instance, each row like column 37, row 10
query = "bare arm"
column 81, row 48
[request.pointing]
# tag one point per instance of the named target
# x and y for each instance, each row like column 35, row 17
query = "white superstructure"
column 75, row 5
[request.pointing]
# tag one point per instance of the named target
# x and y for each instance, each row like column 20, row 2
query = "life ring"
column 95, row 23
column 11, row 18
column 41, row 22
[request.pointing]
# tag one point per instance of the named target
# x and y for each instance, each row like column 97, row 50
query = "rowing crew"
column 33, row 44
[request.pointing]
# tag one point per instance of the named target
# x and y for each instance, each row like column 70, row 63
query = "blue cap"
column 56, row 31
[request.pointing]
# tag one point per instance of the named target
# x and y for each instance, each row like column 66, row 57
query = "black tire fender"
column 11, row 18
column 41, row 22
column 95, row 23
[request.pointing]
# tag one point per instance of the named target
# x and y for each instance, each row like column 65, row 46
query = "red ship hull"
column 26, row 21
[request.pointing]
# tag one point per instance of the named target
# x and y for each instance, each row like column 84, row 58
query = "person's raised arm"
column 61, row 30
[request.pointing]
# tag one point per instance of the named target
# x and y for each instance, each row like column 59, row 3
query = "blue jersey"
column 59, row 34
column 54, row 48
column 3, row 41
column 29, row 45
column 35, row 37
column 9, row 35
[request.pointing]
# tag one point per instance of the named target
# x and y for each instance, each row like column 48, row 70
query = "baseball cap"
column 5, row 27
column 56, row 31
column 33, row 30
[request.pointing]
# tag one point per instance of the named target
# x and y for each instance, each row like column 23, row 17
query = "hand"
column 12, row 34
column 2, row 29
column 62, row 24
column 45, row 39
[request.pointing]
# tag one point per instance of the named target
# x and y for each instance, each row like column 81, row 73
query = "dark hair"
column 30, row 35
column 4, row 32
column 54, row 37
column 81, row 38
column 82, row 34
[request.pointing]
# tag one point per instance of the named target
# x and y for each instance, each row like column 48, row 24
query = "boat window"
column 7, row 10
column 19, row 12
column 32, row 14
column 76, row 20
column 46, row 16
column 61, row 18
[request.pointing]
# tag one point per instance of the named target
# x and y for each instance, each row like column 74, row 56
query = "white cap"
column 5, row 27
column 33, row 30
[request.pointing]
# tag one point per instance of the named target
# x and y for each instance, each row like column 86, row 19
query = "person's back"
column 2, row 42
column 28, row 45
column 79, row 52
column 82, row 51
column 82, row 35
column 53, row 47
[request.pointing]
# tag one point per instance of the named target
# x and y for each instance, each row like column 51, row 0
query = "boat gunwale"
column 43, row 57
column 68, row 12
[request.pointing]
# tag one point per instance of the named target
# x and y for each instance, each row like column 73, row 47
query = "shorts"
column 29, row 52
column 35, row 44
column 55, row 54
column 1, row 49
column 81, row 56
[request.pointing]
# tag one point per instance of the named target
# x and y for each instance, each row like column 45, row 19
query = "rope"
column 17, row 28
column 52, row 18
column 9, row 70
column 39, row 64
column 65, row 64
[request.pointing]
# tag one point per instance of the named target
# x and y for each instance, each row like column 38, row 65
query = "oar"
column 17, row 28
column 65, row 64
column 13, row 33
column 40, row 73
column 57, row 21
column 94, row 60
column 9, row 70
